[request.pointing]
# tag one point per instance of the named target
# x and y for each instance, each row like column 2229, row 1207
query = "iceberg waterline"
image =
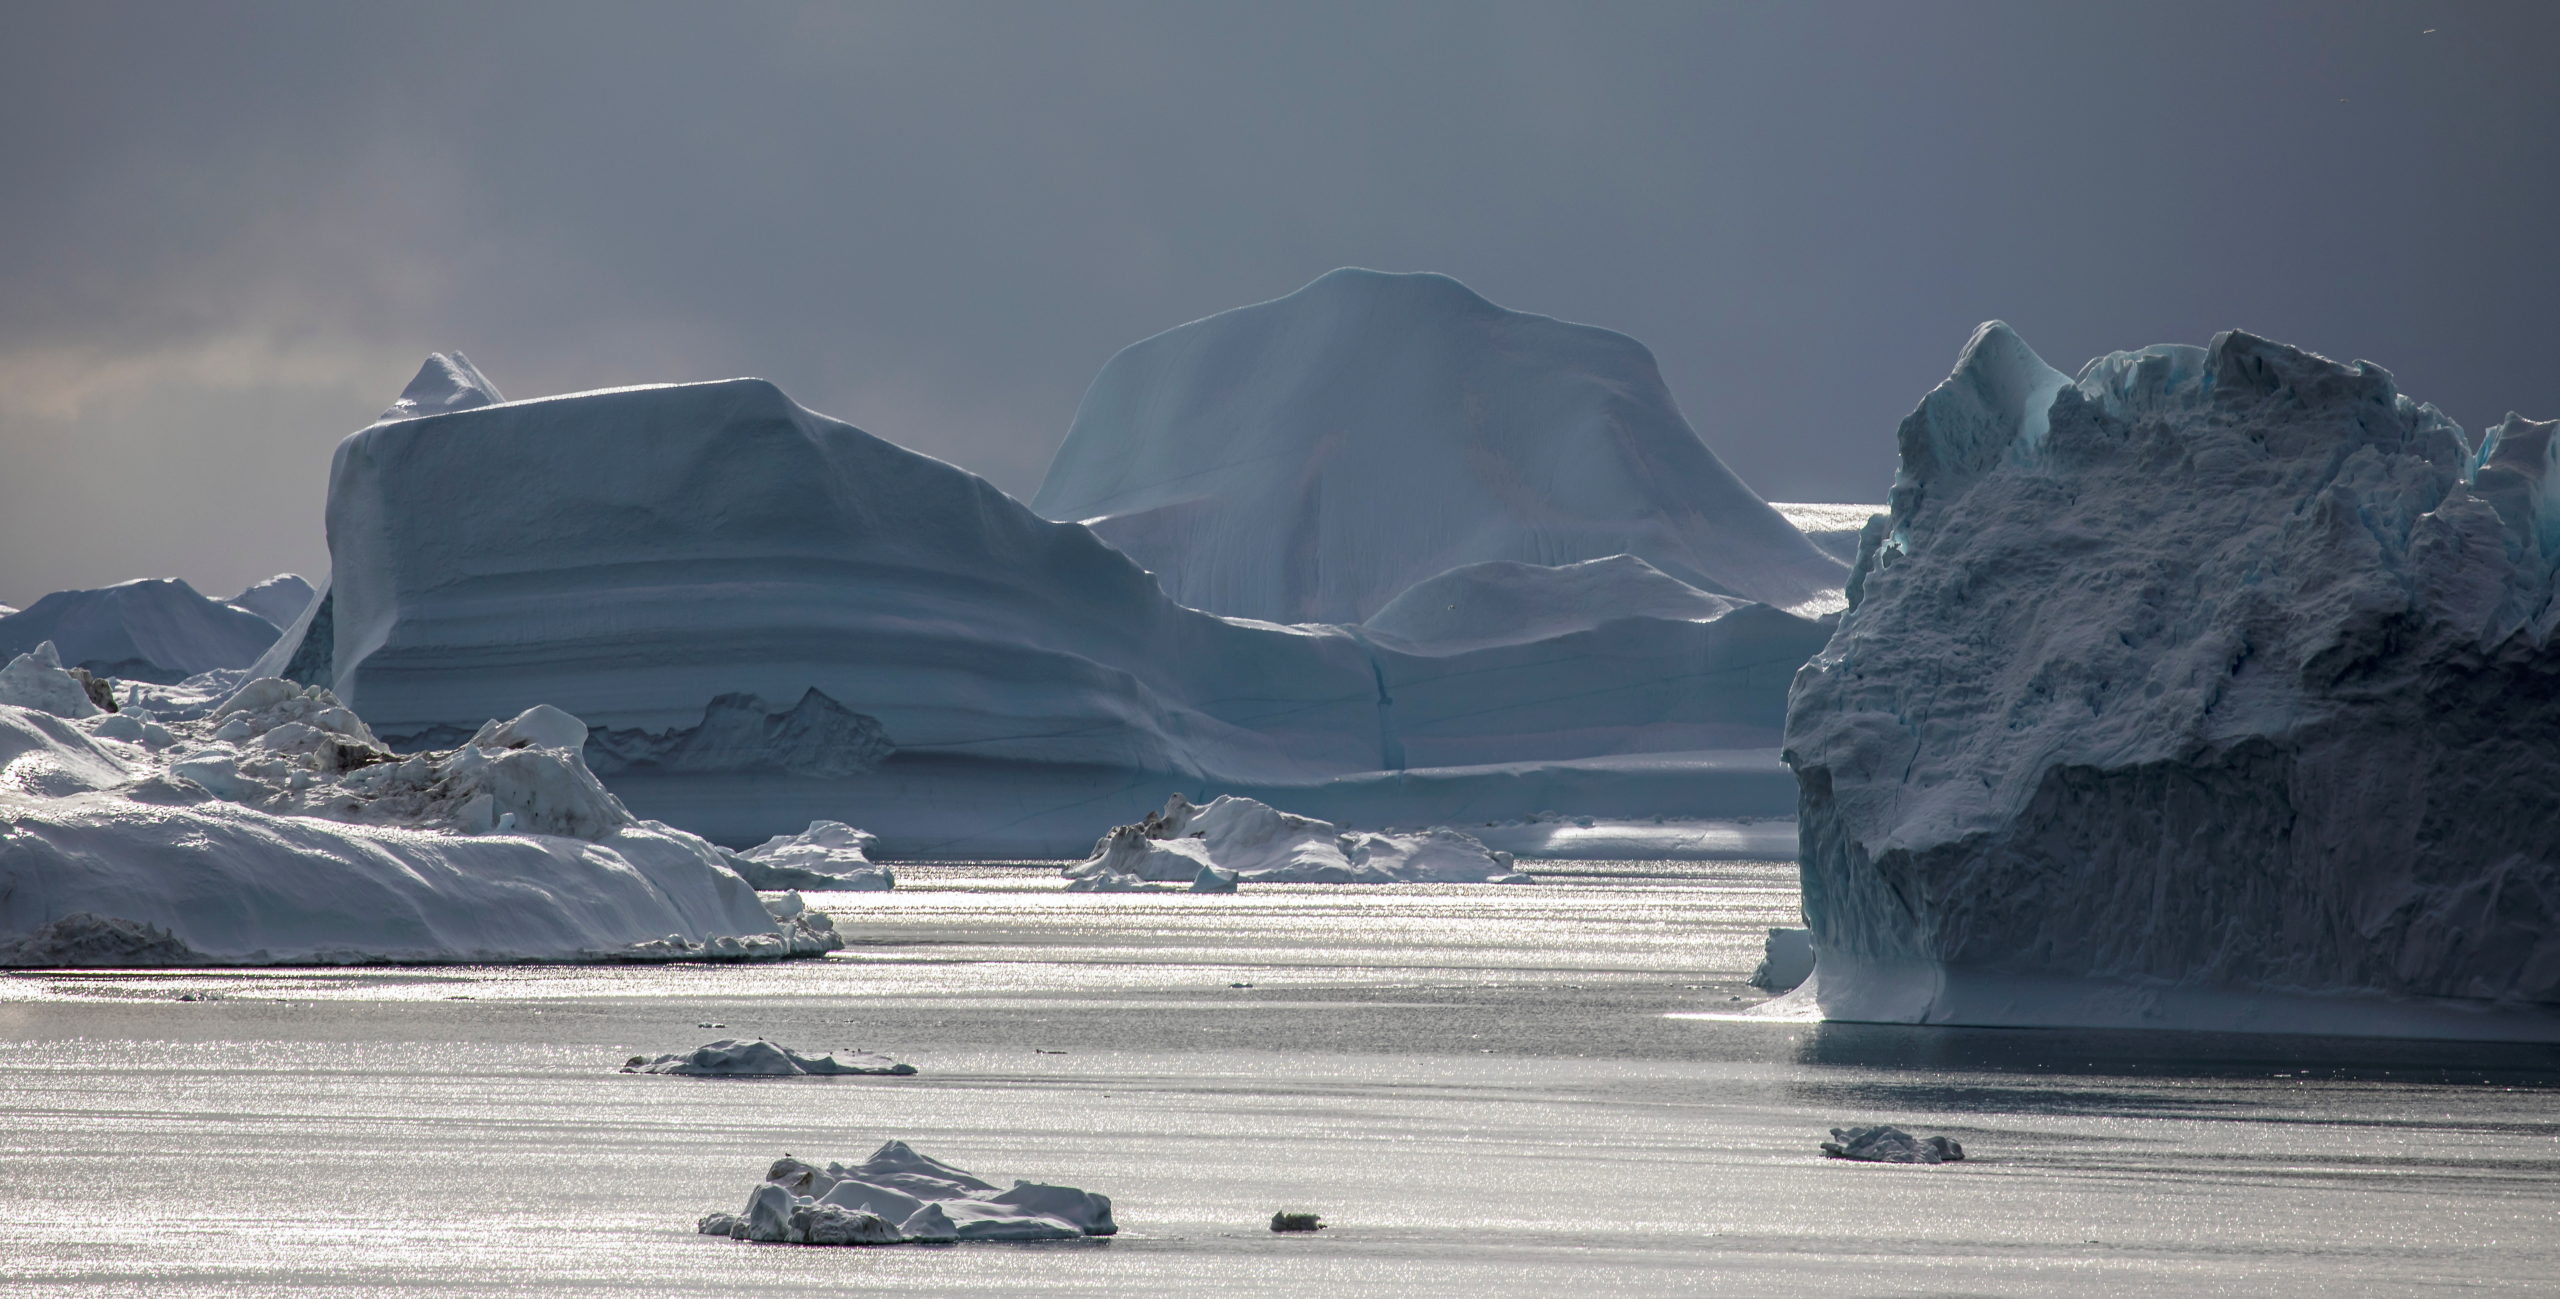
column 2212, row 688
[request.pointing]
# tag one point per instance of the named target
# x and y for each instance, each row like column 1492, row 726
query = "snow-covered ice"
column 732, row 1058
column 448, row 381
column 1310, row 458
column 1886, row 1144
column 900, row 1196
column 827, row 855
column 2210, row 689
column 155, row 629
column 277, row 829
column 1234, row 839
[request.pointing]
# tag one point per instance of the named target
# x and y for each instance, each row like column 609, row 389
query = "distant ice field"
column 1482, row 1088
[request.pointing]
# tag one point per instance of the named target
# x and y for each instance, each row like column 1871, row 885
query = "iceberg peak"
column 447, row 381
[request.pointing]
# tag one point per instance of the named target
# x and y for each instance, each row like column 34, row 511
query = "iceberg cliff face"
column 1310, row 458
column 2217, row 687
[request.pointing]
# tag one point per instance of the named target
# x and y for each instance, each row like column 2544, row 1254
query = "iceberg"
column 1885, row 1144
column 827, row 855
column 278, row 830
column 1309, row 459
column 279, row 599
column 2212, row 688
column 1238, row 839
column 770, row 617
column 155, row 629
column 900, row 1196
column 731, row 1058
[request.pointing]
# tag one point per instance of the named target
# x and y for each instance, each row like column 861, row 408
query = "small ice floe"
column 1209, row 849
column 1287, row 1221
column 1886, row 1144
column 901, row 1197
column 731, row 1058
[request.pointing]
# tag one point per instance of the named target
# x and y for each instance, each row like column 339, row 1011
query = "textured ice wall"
column 2217, row 677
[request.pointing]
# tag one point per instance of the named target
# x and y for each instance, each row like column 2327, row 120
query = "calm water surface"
column 1479, row 1086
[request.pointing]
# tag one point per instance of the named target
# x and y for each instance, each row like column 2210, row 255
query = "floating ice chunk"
column 930, row 1201
column 731, row 1058
column 276, row 829
column 1884, row 1144
column 1238, row 839
column 827, row 855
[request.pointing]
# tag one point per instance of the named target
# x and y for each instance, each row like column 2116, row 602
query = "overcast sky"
column 228, row 233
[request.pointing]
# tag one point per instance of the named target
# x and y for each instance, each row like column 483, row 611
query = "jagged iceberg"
column 1211, row 848
column 1310, row 458
column 277, row 829
column 155, row 629
column 2213, row 688
column 900, row 1196
column 771, row 617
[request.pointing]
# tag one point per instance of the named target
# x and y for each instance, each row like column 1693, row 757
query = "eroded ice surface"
column 900, row 1196
column 1237, row 839
column 2213, row 688
column 277, row 829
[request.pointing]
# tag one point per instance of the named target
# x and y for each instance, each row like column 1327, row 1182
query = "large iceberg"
column 2214, row 687
column 155, row 629
column 1310, row 458
column 771, row 617
column 278, row 830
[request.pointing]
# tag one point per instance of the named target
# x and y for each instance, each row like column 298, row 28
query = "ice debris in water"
column 1211, row 848
column 899, row 1196
column 731, row 1058
column 829, row 855
column 1886, row 1144
column 324, row 845
column 1287, row 1221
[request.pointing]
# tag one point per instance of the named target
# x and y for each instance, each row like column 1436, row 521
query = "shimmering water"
column 1477, row 1085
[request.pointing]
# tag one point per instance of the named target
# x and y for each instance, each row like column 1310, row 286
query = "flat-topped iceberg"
column 732, row 1058
column 899, row 1196
column 1234, row 839
column 278, row 830
column 2213, row 688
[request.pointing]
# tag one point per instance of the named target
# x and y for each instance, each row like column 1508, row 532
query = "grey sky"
column 228, row 233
